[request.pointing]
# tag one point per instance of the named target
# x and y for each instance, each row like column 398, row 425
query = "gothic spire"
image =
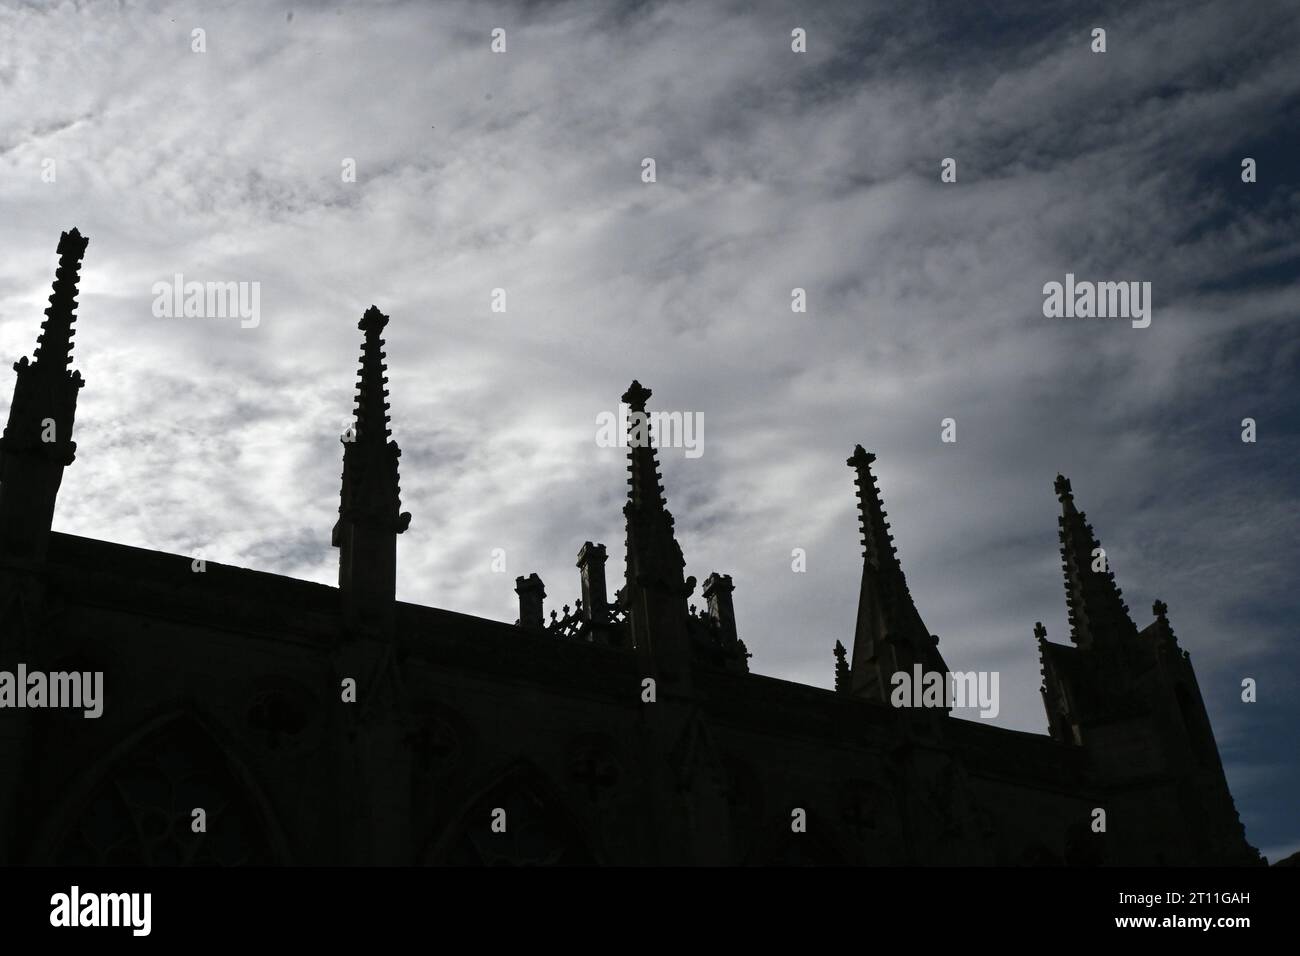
column 1098, row 614
column 37, row 442
column 54, row 347
column 877, row 542
column 370, row 515
column 647, row 493
column 47, row 390
column 890, row 635
column 653, row 552
column 371, row 487
column 656, row 591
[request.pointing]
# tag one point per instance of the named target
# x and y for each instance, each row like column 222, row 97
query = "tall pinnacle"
column 370, row 507
column 877, row 542
column 647, row 493
column 54, row 348
column 890, row 635
column 656, row 590
column 45, row 395
column 1098, row 614
column 37, row 442
column 372, row 382
column 653, row 555
column 371, row 489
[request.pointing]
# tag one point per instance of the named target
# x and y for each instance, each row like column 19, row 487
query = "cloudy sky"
column 522, row 171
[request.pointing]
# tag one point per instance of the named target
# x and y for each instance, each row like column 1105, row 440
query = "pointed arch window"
column 140, row 813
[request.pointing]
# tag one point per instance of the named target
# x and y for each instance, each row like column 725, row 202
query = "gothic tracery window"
column 141, row 812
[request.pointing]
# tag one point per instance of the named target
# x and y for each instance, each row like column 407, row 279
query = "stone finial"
column 372, row 320
column 636, row 396
column 861, row 458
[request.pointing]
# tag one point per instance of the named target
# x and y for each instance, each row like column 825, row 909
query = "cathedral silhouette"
column 250, row 718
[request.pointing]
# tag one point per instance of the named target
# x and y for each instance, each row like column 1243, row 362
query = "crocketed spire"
column 877, row 542
column 37, row 441
column 54, row 349
column 890, row 635
column 370, row 506
column 656, row 590
column 1098, row 614
column 371, row 489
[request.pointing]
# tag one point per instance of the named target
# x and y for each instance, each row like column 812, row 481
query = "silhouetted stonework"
column 223, row 692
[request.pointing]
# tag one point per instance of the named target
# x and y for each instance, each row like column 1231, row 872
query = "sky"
column 522, row 171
